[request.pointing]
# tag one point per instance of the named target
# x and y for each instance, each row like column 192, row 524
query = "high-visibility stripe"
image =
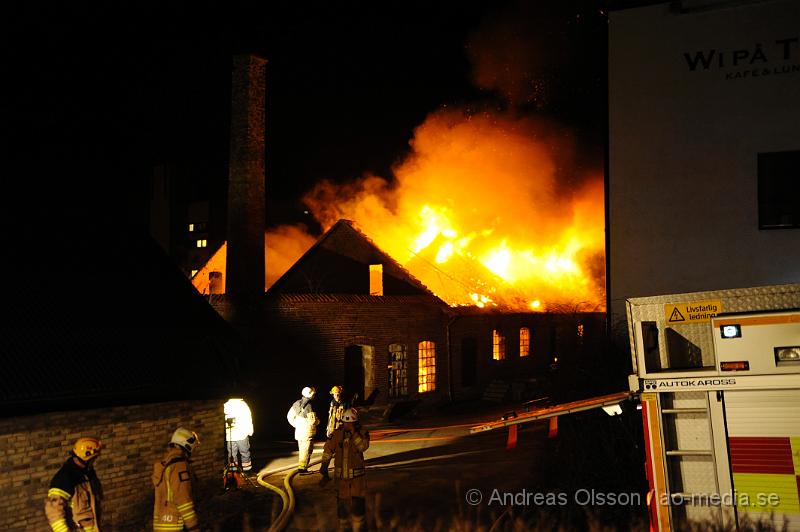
column 167, row 526
column 748, row 487
column 60, row 525
column 653, row 431
column 169, row 488
column 795, row 444
column 187, row 510
column 759, row 320
column 55, row 492
column 90, row 528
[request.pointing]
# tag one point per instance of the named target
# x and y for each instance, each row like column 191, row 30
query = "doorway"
column 358, row 378
column 469, row 362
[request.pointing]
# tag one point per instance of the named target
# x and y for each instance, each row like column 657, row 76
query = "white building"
column 704, row 148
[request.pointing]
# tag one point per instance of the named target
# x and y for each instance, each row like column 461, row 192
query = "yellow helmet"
column 336, row 389
column 86, row 448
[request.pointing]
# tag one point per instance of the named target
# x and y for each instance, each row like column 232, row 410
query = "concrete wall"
column 684, row 141
column 33, row 448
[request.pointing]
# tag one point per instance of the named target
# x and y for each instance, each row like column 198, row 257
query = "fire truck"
column 718, row 376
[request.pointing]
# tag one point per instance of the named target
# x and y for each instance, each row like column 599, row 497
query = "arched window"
column 427, row 366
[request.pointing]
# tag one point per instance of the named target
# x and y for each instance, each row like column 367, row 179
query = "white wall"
column 683, row 145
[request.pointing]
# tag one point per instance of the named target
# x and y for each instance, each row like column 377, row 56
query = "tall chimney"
column 244, row 278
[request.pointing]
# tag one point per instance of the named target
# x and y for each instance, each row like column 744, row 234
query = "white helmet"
column 308, row 392
column 185, row 439
column 350, row 415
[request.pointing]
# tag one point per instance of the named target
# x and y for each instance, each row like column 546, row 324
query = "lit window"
column 194, row 272
column 201, row 243
column 427, row 366
column 498, row 345
column 191, row 228
column 580, row 330
column 376, row 279
column 524, row 342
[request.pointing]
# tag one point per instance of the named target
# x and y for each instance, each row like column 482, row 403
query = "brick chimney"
column 244, row 279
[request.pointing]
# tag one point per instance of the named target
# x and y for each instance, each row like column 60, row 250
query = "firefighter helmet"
column 308, row 392
column 185, row 439
column 336, row 389
column 350, row 415
column 86, row 448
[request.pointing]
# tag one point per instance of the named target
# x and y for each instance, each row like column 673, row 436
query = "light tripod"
column 233, row 476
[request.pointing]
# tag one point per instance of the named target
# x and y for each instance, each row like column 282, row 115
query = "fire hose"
column 287, row 497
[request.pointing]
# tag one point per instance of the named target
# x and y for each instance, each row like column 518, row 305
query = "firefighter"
column 304, row 420
column 73, row 498
column 239, row 428
column 347, row 446
column 335, row 411
column 172, row 479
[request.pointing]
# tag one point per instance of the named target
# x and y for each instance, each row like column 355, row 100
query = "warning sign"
column 695, row 312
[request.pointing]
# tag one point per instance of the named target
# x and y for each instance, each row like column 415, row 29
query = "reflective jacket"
column 73, row 498
column 242, row 419
column 174, row 505
column 304, row 420
column 347, row 448
column 335, row 413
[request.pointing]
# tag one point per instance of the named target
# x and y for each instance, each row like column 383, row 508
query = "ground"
column 423, row 475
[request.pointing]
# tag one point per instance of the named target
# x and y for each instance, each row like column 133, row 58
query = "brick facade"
column 551, row 336
column 32, row 448
column 325, row 326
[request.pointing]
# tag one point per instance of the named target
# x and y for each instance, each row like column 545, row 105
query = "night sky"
column 100, row 95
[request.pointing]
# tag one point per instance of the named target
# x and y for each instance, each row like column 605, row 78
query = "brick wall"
column 322, row 327
column 33, row 448
column 551, row 335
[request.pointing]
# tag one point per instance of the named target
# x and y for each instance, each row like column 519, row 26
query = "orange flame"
column 478, row 214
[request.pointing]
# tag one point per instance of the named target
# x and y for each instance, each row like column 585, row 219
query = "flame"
column 481, row 213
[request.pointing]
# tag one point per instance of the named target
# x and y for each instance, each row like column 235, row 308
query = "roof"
column 101, row 316
column 338, row 264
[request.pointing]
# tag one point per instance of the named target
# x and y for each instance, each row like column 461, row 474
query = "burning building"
column 493, row 306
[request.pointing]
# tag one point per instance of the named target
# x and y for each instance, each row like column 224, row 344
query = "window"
column 194, row 272
column 427, row 366
column 398, row 370
column 580, row 334
column 498, row 345
column 191, row 228
column 778, row 201
column 524, row 341
column 202, row 243
column 376, row 279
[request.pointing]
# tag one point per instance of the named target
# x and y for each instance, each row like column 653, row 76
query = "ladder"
column 688, row 443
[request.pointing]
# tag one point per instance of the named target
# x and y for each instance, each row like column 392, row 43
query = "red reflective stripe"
column 512, row 437
column 772, row 455
column 553, row 429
